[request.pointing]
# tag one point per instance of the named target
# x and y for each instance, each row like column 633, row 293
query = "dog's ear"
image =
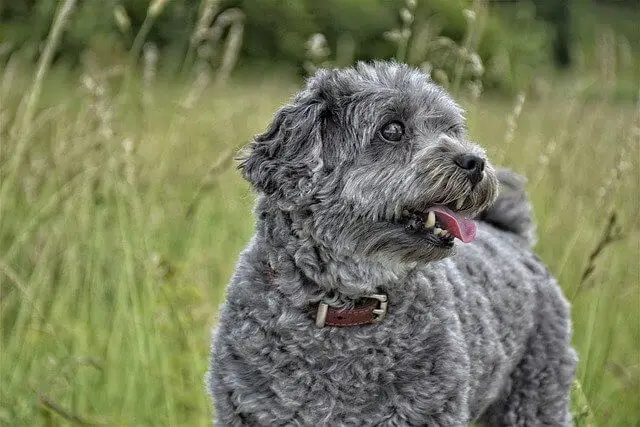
column 290, row 151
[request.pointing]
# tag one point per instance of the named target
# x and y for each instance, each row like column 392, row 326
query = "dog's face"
column 377, row 159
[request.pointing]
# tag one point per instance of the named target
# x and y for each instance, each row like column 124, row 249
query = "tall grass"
column 124, row 224
column 121, row 219
column 109, row 281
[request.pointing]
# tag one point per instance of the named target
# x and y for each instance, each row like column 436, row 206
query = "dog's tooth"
column 397, row 212
column 445, row 233
column 459, row 203
column 437, row 231
column 431, row 220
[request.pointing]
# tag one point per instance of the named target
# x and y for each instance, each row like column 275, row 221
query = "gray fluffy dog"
column 365, row 181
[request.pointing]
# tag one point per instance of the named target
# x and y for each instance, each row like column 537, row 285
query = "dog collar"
column 368, row 310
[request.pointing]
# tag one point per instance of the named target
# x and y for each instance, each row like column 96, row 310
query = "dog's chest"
column 427, row 362
column 411, row 364
column 424, row 355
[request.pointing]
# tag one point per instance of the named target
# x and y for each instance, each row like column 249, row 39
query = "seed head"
column 156, row 7
column 122, row 19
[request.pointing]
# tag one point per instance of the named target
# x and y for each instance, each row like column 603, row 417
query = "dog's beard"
column 405, row 215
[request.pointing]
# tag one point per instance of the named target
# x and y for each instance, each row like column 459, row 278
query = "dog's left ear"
column 287, row 155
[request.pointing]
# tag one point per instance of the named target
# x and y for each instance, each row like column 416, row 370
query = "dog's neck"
column 312, row 271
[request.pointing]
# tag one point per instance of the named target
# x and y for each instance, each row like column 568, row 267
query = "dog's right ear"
column 287, row 155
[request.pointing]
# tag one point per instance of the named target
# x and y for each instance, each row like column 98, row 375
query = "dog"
column 391, row 279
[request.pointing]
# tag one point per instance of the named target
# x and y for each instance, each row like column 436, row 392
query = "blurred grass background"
column 121, row 215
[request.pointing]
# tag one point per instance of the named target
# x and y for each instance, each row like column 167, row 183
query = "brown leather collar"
column 368, row 310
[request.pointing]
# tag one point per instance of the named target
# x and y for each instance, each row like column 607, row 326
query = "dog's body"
column 482, row 335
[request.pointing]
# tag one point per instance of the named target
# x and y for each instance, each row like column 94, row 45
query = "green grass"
column 114, row 255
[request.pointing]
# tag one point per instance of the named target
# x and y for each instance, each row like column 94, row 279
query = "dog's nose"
column 474, row 166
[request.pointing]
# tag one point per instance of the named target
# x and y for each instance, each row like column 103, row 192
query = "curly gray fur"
column 511, row 211
column 478, row 332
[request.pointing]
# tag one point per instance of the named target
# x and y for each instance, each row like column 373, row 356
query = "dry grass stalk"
column 512, row 125
column 582, row 413
column 150, row 55
column 21, row 285
column 208, row 38
column 100, row 104
column 606, row 55
column 345, row 50
column 234, row 19
column 208, row 11
column 612, row 181
column 8, row 81
column 155, row 9
column 28, row 106
column 202, row 80
column 317, row 53
column 47, row 403
column 465, row 51
column 612, row 233
column 401, row 36
column 122, row 19
column 215, row 170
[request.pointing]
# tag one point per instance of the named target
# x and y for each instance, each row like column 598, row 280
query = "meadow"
column 122, row 215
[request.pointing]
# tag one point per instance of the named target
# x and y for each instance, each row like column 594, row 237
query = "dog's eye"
column 392, row 131
column 456, row 130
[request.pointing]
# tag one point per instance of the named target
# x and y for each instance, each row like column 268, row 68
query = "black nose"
column 474, row 166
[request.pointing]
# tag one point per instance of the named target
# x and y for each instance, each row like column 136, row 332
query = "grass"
column 123, row 224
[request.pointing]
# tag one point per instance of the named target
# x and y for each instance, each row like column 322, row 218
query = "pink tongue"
column 462, row 228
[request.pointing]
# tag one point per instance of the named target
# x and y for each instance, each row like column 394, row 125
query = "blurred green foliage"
column 276, row 31
column 514, row 40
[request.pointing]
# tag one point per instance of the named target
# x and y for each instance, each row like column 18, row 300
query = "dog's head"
column 377, row 159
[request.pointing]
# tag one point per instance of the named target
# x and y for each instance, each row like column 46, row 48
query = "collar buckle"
column 381, row 311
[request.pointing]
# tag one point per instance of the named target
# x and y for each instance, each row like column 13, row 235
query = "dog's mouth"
column 440, row 224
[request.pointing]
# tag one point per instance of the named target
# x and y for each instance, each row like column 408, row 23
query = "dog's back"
column 512, row 210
